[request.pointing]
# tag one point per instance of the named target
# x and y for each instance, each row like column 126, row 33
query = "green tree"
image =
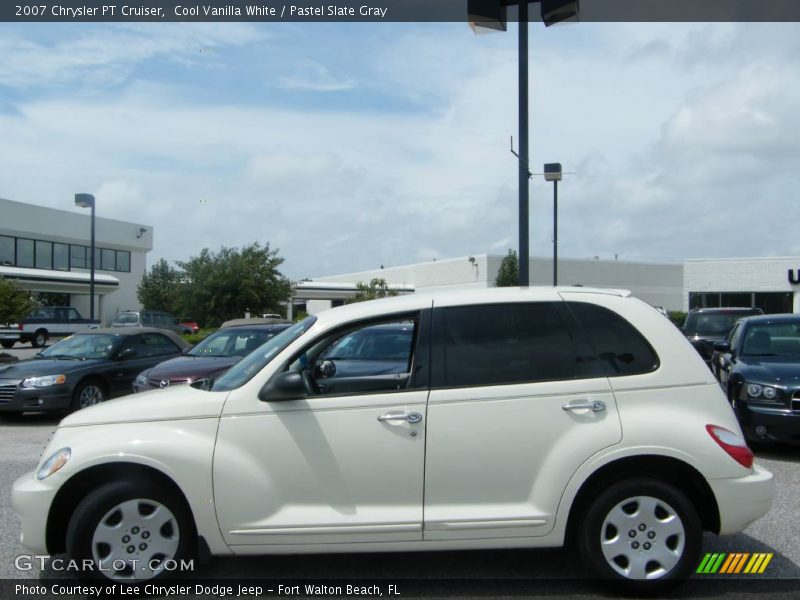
column 161, row 288
column 508, row 274
column 224, row 285
column 376, row 288
column 15, row 304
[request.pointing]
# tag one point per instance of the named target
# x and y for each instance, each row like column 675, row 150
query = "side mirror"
column 722, row 346
column 127, row 353
column 284, row 386
column 202, row 384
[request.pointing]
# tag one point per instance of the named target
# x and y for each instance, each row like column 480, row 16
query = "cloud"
column 311, row 76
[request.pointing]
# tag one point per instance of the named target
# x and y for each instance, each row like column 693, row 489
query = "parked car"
column 44, row 323
column 759, row 368
column 150, row 318
column 84, row 369
column 209, row 358
column 704, row 326
column 529, row 417
column 192, row 325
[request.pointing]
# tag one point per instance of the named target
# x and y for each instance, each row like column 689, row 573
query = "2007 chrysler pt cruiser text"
column 524, row 418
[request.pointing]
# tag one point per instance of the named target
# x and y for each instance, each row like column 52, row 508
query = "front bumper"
column 742, row 500
column 32, row 499
column 781, row 424
column 55, row 398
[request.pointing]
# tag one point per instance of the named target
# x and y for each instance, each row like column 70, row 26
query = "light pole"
column 491, row 14
column 552, row 172
column 87, row 201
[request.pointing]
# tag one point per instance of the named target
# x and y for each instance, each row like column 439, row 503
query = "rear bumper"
column 742, row 500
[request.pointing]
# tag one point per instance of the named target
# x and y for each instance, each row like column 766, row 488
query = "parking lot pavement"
column 542, row 573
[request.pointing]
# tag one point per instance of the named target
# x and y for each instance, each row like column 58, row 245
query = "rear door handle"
column 413, row 417
column 593, row 405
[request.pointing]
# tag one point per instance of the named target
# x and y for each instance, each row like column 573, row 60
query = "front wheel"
column 131, row 531
column 88, row 393
column 641, row 536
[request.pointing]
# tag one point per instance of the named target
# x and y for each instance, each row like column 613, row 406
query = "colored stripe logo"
column 734, row 563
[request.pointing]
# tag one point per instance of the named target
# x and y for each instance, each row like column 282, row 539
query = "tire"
column 39, row 339
column 88, row 393
column 641, row 536
column 128, row 529
column 7, row 344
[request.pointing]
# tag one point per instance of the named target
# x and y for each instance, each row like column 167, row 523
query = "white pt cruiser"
column 501, row 418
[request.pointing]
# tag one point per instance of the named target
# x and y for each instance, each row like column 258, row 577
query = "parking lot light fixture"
column 87, row 201
column 491, row 14
column 552, row 172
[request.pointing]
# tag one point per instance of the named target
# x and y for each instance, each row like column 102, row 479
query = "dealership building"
column 47, row 251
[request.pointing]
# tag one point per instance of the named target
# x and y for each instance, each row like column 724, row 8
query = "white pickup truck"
column 44, row 323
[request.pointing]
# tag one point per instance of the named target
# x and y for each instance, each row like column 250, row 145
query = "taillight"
column 19, row 326
column 733, row 444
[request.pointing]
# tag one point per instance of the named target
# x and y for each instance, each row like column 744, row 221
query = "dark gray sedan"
column 84, row 369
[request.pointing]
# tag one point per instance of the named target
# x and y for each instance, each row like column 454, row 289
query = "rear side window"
column 619, row 348
column 501, row 344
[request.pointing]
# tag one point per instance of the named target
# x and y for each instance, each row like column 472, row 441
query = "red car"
column 191, row 325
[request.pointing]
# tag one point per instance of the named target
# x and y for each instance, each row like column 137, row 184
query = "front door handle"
column 593, row 405
column 412, row 418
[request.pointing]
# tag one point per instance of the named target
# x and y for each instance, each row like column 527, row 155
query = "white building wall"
column 74, row 227
column 660, row 284
column 770, row 274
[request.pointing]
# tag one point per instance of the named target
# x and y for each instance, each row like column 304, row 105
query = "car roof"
column 386, row 307
column 781, row 318
column 725, row 309
column 254, row 321
column 130, row 331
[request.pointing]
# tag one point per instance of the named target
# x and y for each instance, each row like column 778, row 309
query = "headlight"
column 141, row 379
column 766, row 392
column 754, row 390
column 54, row 463
column 45, row 381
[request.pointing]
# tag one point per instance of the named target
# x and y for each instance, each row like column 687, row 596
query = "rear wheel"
column 7, row 344
column 641, row 536
column 39, row 339
column 130, row 531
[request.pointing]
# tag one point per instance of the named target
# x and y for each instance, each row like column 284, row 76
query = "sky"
column 349, row 146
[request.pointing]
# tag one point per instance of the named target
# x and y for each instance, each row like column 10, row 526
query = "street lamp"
column 552, row 172
column 87, row 201
column 491, row 14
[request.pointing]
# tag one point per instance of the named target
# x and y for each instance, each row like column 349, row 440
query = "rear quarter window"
column 619, row 348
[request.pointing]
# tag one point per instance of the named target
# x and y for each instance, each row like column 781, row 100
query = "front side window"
column 371, row 357
column 155, row 344
column 499, row 344
column 619, row 348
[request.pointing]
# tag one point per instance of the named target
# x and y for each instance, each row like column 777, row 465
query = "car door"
column 344, row 464
column 516, row 406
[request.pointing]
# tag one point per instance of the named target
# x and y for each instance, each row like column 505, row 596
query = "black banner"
column 385, row 10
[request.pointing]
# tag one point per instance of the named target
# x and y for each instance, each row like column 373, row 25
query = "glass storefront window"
column 123, row 261
column 61, row 257
column 24, row 253
column 7, row 253
column 44, row 255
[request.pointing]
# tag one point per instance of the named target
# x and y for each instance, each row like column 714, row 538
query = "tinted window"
column 123, row 261
column 500, row 344
column 24, row 253
column 618, row 346
column 108, row 260
column 78, row 257
column 154, row 344
column 44, row 255
column 60, row 257
column 6, row 250
column 147, row 319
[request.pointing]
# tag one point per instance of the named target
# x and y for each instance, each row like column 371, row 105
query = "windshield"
column 83, row 346
column 711, row 324
column 236, row 341
column 244, row 370
column 772, row 339
column 127, row 318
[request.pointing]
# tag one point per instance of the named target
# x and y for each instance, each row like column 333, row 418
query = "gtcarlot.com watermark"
column 28, row 562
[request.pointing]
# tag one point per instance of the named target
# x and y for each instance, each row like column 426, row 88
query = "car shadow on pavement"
column 780, row 452
column 31, row 419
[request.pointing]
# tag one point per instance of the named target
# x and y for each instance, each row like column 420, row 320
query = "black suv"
column 704, row 326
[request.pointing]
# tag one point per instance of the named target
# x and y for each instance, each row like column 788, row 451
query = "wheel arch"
column 79, row 485
column 662, row 468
